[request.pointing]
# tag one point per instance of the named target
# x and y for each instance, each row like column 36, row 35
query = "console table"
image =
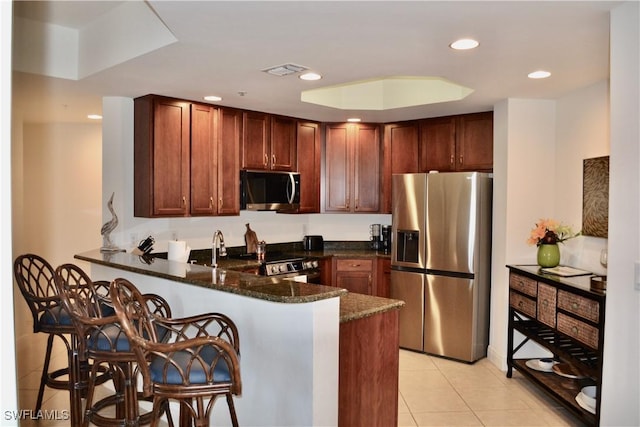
column 565, row 316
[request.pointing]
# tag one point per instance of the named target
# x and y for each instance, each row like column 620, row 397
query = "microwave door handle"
column 291, row 194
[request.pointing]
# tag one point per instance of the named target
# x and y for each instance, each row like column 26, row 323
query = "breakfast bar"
column 299, row 342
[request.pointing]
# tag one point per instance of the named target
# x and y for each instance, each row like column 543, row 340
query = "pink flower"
column 549, row 231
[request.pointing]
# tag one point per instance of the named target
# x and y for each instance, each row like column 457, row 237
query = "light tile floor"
column 433, row 392
column 441, row 392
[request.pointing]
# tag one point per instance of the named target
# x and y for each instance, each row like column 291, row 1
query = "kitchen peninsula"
column 310, row 354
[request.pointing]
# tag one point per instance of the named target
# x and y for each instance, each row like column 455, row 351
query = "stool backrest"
column 36, row 280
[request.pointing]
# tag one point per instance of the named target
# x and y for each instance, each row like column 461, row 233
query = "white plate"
column 533, row 364
column 584, row 404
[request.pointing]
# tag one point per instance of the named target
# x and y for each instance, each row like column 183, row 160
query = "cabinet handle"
column 184, row 201
column 545, row 303
column 574, row 305
column 460, row 158
column 574, row 329
column 220, row 202
column 356, row 204
column 210, row 202
column 273, row 159
column 266, row 159
column 355, row 265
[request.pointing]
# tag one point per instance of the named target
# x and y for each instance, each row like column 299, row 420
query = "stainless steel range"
column 291, row 267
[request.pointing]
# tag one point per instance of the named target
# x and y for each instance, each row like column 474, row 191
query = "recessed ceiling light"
column 94, row 117
column 464, row 44
column 310, row 76
column 213, row 98
column 354, row 120
column 540, row 74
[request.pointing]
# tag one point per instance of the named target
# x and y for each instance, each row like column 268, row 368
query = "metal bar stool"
column 102, row 341
column 201, row 361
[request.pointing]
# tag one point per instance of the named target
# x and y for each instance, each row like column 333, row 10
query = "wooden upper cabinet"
column 186, row 158
column 203, row 159
column 352, row 162
column 457, row 143
column 366, row 161
column 308, row 154
column 438, row 144
column 337, row 165
column 161, row 156
column 474, row 142
column 228, row 164
column 401, row 155
column 255, row 140
column 283, row 144
column 268, row 142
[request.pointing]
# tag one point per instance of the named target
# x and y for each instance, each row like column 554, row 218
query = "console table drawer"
column 547, row 296
column 578, row 330
column 522, row 303
column 523, row 284
column 580, row 306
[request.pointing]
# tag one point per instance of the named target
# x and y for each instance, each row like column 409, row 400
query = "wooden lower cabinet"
column 355, row 274
column 368, row 381
column 383, row 279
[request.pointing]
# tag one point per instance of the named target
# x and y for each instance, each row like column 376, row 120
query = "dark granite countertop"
column 229, row 277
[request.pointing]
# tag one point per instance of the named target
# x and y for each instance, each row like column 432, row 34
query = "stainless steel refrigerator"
column 441, row 262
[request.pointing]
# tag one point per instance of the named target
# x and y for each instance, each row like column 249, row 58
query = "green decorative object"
column 548, row 255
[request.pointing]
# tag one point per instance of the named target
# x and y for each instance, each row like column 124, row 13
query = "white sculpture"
column 107, row 228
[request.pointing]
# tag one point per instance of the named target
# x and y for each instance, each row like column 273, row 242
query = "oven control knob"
column 273, row 269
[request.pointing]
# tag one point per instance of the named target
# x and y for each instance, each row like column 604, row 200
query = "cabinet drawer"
column 580, row 306
column 523, row 304
column 523, row 284
column 547, row 296
column 578, row 330
column 354, row 265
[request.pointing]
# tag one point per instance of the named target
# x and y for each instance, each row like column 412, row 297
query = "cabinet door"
column 337, row 163
column 255, row 141
column 283, row 144
column 355, row 275
column 400, row 154
column 229, row 135
column 474, row 142
column 437, row 144
column 170, row 157
column 367, row 168
column 203, row 160
column 383, row 279
column 308, row 149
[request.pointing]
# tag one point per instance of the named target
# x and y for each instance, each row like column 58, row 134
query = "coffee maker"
column 374, row 231
column 385, row 238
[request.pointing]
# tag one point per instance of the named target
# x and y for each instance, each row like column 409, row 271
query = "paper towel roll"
column 177, row 250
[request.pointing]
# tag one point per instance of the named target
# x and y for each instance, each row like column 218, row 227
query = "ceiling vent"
column 285, row 69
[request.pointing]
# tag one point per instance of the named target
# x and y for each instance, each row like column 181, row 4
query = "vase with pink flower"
column 546, row 235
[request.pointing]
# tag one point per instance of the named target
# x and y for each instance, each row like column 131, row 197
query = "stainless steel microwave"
column 269, row 191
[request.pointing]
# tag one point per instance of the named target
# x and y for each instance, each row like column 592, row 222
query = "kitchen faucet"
column 217, row 237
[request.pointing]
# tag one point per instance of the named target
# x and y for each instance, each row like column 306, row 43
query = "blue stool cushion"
column 197, row 373
column 56, row 316
column 112, row 338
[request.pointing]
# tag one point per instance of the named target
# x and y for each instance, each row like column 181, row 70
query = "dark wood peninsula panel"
column 352, row 168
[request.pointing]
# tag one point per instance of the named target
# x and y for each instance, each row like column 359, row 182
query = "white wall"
column 621, row 382
column 8, row 395
column 582, row 132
